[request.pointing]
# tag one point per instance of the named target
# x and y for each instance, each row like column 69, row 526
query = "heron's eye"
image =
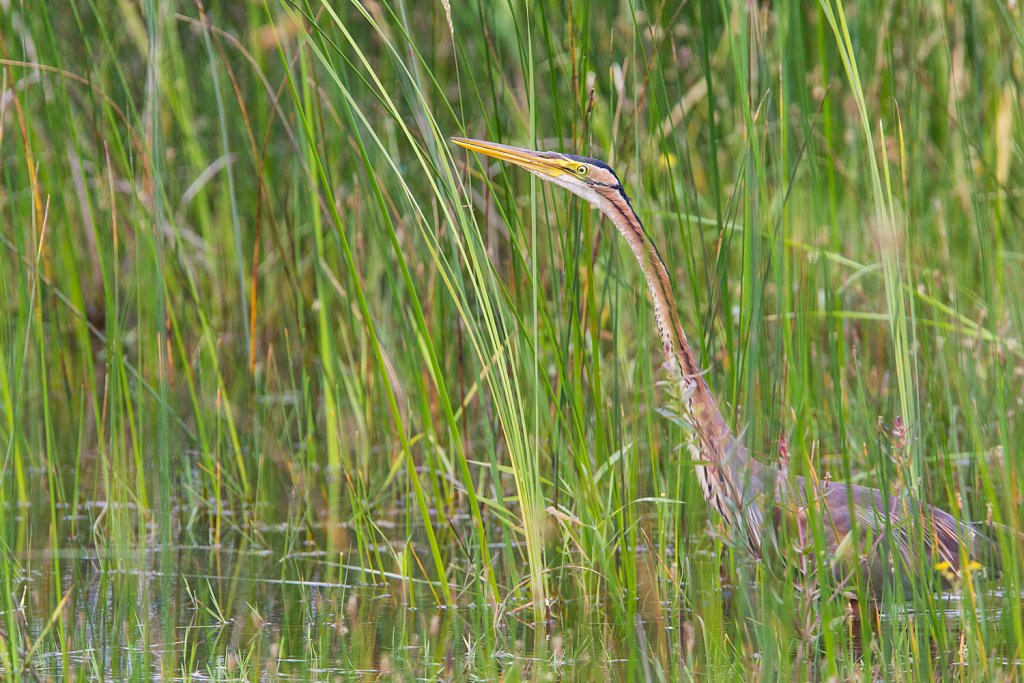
column 582, row 170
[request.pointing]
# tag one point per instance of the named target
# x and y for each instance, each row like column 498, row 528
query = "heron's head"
column 591, row 179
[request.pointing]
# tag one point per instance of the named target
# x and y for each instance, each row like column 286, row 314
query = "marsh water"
column 301, row 601
column 281, row 602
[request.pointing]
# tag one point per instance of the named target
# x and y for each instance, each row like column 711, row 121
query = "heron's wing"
column 898, row 537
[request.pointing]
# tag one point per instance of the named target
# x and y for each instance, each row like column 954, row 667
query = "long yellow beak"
column 526, row 158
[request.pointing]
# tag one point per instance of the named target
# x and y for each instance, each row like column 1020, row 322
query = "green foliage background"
column 282, row 370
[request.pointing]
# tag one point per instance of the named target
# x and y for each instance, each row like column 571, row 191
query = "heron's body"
column 864, row 531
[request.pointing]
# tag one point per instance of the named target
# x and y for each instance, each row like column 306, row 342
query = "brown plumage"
column 870, row 538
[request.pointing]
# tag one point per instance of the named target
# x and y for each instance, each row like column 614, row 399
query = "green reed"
column 290, row 385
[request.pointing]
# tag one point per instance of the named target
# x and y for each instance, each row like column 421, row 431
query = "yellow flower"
column 948, row 573
column 946, row 569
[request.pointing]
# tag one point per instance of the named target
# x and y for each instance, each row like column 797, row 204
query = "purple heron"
column 866, row 532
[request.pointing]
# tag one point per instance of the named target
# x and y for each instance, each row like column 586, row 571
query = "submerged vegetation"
column 290, row 387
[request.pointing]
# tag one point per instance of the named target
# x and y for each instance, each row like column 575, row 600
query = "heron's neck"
column 716, row 439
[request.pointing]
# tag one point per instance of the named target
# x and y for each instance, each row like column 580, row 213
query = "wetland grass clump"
column 289, row 388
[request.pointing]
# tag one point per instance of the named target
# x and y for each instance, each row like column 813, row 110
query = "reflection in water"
column 272, row 601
